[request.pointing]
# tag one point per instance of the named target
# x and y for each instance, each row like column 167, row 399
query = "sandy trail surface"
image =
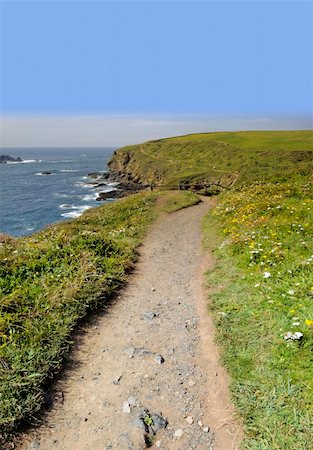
column 145, row 373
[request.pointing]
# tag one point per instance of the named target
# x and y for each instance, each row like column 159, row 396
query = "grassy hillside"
column 51, row 279
column 263, row 289
column 228, row 159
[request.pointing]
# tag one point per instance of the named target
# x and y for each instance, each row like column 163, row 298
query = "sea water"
column 30, row 200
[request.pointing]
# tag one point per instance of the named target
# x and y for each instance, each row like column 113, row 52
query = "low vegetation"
column 263, row 290
column 218, row 159
column 51, row 279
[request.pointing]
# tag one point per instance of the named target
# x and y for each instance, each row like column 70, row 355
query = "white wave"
column 66, row 206
column 106, row 188
column 83, row 185
column 78, row 211
column 69, row 170
column 61, row 195
column 25, row 161
column 44, row 174
column 88, row 198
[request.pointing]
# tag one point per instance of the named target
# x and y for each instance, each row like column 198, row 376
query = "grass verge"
column 264, row 289
column 50, row 280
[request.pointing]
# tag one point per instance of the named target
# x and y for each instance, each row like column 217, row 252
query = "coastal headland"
column 168, row 319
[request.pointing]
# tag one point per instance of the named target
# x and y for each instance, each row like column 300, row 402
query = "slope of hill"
column 217, row 160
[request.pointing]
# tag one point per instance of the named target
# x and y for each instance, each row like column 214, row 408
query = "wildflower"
column 291, row 292
column 266, row 275
column 309, row 323
column 297, row 336
column 257, row 285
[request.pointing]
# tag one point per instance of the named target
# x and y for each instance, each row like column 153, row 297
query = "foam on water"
column 29, row 202
column 25, row 161
column 88, row 198
column 77, row 211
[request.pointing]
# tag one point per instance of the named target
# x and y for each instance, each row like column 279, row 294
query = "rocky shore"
column 122, row 184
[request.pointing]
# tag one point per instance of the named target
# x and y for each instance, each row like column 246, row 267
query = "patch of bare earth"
column 147, row 372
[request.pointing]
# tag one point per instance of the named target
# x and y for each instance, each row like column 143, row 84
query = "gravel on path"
column 146, row 373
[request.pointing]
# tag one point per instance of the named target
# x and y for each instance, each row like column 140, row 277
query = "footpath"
column 145, row 373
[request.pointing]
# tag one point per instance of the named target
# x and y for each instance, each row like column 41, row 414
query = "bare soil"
column 130, row 370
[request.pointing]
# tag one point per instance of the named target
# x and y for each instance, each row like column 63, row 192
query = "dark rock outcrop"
column 7, row 158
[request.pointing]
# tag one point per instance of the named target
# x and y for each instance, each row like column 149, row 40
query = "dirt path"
column 119, row 390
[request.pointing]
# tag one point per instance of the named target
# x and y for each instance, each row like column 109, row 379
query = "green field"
column 50, row 280
column 227, row 159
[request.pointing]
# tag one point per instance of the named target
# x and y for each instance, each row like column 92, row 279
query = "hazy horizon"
column 90, row 74
column 116, row 131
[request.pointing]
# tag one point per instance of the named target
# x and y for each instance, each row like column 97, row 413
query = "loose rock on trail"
column 146, row 372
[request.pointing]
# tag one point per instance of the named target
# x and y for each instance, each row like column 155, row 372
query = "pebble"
column 126, row 408
column 200, row 423
column 159, row 422
column 191, row 383
column 178, row 433
column 149, row 315
column 153, row 289
column 132, row 401
column 158, row 444
column 117, row 379
column 206, row 429
column 159, row 359
column 189, row 420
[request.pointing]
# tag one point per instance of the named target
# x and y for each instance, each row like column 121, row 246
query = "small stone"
column 139, row 423
column 200, row 423
column 159, row 422
column 158, row 444
column 191, row 383
column 153, row 289
column 215, row 374
column 117, row 379
column 149, row 315
column 178, row 433
column 159, row 359
column 132, row 401
column 126, row 408
column 189, row 420
column 130, row 352
column 206, row 429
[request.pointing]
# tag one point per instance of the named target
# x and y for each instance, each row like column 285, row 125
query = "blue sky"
column 209, row 59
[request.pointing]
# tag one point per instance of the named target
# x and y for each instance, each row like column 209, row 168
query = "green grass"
column 266, row 228
column 174, row 200
column 50, row 280
column 230, row 159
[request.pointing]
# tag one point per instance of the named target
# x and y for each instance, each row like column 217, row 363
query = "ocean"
column 30, row 200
